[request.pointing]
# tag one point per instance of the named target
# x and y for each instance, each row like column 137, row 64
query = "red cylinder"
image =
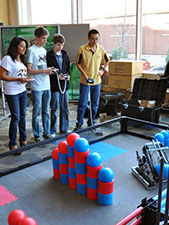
column 71, row 138
column 81, row 178
column 92, row 172
column 62, row 146
column 63, row 168
column 55, row 153
column 72, row 183
column 56, row 174
column 105, row 188
column 81, row 157
column 92, row 193
column 71, row 162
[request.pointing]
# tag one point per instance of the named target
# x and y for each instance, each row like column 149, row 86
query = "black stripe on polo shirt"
column 106, row 58
column 92, row 51
column 80, row 59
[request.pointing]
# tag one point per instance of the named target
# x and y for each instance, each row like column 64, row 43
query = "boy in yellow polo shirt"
column 91, row 61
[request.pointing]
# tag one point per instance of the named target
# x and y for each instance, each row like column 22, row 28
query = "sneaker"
column 65, row 132
column 77, row 127
column 48, row 136
column 37, row 139
column 53, row 135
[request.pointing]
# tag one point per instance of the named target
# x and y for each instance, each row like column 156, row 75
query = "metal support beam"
column 138, row 53
column 73, row 11
column 79, row 11
column 25, row 12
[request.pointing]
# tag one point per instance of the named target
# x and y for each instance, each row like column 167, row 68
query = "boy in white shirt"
column 37, row 67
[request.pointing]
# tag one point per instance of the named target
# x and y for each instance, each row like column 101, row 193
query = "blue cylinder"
column 63, row 158
column 81, row 168
column 72, row 173
column 165, row 170
column 166, row 142
column 64, row 178
column 106, row 175
column 81, row 145
column 55, row 163
column 92, row 183
column 165, row 133
column 159, row 137
column 71, row 151
column 82, row 189
column 105, row 199
column 94, row 159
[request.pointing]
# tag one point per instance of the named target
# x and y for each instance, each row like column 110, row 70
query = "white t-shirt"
column 15, row 69
column 37, row 57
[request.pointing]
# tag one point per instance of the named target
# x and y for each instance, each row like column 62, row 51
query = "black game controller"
column 65, row 76
column 55, row 70
column 90, row 81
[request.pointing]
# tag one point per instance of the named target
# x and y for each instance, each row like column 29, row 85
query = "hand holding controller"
column 90, row 81
column 55, row 70
column 64, row 77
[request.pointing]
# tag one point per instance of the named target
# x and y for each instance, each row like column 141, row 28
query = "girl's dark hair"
column 13, row 48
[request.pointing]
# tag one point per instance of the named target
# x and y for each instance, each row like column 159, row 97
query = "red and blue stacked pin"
column 71, row 159
column 73, row 165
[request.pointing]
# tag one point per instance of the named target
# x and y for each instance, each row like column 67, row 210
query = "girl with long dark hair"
column 14, row 74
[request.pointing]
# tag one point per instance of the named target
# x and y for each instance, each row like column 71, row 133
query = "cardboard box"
column 127, row 93
column 147, row 104
column 150, row 76
column 130, row 67
column 122, row 82
column 104, row 117
column 143, row 103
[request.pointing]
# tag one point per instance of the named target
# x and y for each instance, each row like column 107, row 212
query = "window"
column 45, row 12
column 155, row 40
column 116, row 22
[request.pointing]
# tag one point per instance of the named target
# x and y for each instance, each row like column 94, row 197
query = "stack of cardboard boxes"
column 123, row 73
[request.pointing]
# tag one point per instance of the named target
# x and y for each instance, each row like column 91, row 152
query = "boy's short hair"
column 93, row 31
column 58, row 38
column 41, row 31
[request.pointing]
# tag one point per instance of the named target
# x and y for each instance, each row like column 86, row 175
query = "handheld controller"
column 55, row 70
column 90, row 81
column 65, row 76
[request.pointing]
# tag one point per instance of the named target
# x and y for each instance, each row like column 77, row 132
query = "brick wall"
column 154, row 42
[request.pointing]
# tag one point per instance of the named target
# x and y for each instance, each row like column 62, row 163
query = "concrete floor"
column 4, row 125
column 50, row 202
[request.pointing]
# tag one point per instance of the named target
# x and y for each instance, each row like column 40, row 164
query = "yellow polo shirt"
column 91, row 61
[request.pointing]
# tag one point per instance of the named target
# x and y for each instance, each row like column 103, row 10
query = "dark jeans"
column 83, row 101
column 17, row 105
column 59, row 101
